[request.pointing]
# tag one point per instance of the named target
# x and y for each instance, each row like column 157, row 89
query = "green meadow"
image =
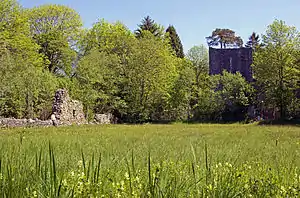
column 176, row 160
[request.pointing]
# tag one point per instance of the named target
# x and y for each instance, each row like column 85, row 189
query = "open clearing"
column 185, row 160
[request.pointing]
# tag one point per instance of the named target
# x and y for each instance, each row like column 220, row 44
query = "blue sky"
column 193, row 19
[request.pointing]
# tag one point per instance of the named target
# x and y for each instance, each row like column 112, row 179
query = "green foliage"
column 99, row 78
column 130, row 77
column 110, row 38
column 276, row 67
column 235, row 94
column 204, row 102
column 182, row 92
column 56, row 29
column 137, row 76
column 207, row 105
column 253, row 41
column 152, row 70
column 223, row 98
column 127, row 76
column 25, row 90
column 175, row 41
column 198, row 55
column 149, row 25
column 234, row 89
column 14, row 32
column 224, row 37
column 103, row 71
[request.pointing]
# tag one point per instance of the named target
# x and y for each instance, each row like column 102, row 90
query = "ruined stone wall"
column 104, row 118
column 12, row 122
column 232, row 60
column 67, row 111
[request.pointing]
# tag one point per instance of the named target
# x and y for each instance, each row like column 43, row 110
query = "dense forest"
column 141, row 75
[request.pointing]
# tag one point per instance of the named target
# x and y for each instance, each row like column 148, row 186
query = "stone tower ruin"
column 67, row 111
column 231, row 60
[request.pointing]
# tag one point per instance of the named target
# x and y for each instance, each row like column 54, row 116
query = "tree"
column 98, row 79
column 56, row 29
column 14, row 31
column 25, row 89
column 105, row 51
column 152, row 71
column 148, row 24
column 182, row 92
column 225, row 38
column 224, row 97
column 175, row 41
column 276, row 66
column 134, row 78
column 253, row 41
column 112, row 38
column 198, row 55
column 235, row 92
column 208, row 105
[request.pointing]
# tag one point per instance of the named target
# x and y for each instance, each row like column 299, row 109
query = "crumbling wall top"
column 67, row 111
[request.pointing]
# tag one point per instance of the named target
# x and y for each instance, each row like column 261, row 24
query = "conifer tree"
column 175, row 41
column 253, row 41
column 148, row 24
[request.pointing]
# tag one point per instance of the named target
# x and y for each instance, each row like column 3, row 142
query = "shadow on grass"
column 216, row 122
column 294, row 122
column 167, row 122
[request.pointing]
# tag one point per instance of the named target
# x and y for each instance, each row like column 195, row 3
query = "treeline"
column 138, row 76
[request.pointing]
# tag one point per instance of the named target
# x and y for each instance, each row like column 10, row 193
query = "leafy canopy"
column 56, row 29
column 225, row 38
column 276, row 66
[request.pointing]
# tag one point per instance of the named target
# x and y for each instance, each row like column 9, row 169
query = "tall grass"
column 151, row 161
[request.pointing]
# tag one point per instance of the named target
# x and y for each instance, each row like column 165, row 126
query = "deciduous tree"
column 56, row 29
column 152, row 72
column 224, row 97
column 25, row 89
column 276, row 66
column 98, row 77
column 198, row 55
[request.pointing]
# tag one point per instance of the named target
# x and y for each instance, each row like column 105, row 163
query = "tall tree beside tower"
column 253, row 41
column 175, row 41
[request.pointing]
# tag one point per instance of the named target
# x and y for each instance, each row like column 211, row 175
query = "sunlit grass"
column 177, row 160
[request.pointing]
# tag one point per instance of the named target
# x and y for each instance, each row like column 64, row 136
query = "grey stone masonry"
column 12, row 122
column 231, row 60
column 104, row 118
column 67, row 111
